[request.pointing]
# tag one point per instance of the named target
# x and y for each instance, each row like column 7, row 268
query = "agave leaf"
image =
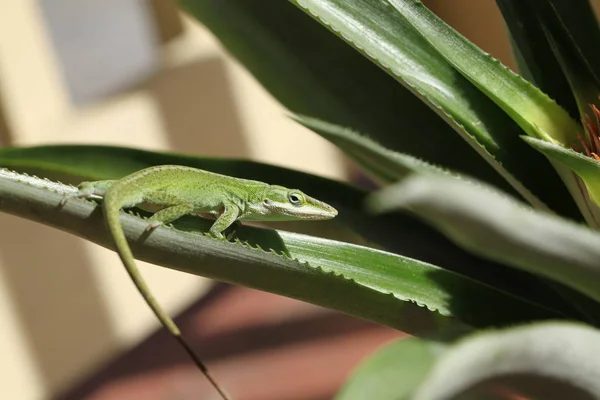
column 401, row 234
column 495, row 226
column 585, row 167
column 549, row 360
column 393, row 290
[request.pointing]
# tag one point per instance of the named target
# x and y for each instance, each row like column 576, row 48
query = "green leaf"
column 585, row 167
column 312, row 72
column 550, row 360
column 494, row 226
column 392, row 372
column 535, row 112
column 382, row 287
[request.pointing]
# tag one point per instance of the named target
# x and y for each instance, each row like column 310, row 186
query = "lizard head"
column 281, row 204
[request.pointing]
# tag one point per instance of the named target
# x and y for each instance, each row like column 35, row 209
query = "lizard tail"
column 114, row 200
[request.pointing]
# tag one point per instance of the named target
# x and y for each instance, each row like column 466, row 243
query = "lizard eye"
column 294, row 199
column 267, row 201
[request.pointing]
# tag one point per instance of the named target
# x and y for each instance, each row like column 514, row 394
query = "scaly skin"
column 177, row 191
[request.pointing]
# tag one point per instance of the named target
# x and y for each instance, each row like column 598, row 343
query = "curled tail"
column 116, row 198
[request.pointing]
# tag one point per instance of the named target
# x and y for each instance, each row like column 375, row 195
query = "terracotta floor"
column 257, row 345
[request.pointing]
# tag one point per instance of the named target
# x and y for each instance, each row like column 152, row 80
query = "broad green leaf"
column 550, row 360
column 384, row 165
column 401, row 234
column 312, row 72
column 383, row 287
column 494, row 226
column 392, row 372
column 534, row 111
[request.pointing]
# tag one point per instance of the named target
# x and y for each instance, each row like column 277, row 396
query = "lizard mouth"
column 316, row 210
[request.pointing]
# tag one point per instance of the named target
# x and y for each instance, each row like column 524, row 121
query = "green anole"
column 176, row 191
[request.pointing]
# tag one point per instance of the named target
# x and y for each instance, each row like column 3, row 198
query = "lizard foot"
column 152, row 225
column 229, row 236
column 84, row 191
column 75, row 195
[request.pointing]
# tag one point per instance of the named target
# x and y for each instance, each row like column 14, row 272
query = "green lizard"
column 176, row 191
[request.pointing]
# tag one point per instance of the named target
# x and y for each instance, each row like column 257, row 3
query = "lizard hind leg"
column 88, row 189
column 168, row 214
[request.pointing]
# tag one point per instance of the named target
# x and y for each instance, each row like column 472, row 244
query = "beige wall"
column 67, row 306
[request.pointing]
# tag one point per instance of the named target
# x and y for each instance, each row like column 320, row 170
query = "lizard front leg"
column 229, row 215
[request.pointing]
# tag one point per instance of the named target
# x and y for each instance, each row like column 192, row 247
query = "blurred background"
column 139, row 73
